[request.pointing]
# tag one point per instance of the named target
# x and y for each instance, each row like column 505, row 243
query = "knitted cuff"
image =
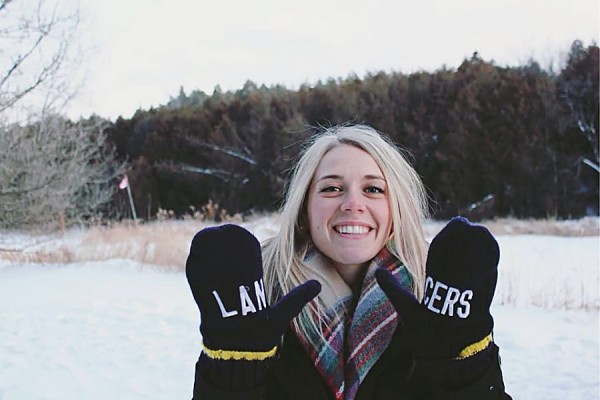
column 232, row 375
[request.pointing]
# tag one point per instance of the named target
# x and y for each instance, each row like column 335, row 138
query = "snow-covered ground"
column 118, row 329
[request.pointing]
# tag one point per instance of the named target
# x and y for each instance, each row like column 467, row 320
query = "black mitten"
column 454, row 320
column 239, row 329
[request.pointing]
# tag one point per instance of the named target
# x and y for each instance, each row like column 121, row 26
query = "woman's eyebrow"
column 338, row 177
column 374, row 177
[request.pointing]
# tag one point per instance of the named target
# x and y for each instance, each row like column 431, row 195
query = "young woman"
column 361, row 310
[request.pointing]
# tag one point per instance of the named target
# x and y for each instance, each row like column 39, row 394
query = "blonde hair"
column 283, row 254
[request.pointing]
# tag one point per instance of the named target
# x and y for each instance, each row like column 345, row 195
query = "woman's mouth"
column 352, row 229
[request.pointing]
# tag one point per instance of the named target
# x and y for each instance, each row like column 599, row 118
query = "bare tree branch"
column 229, row 152
column 54, row 166
column 3, row 4
column 34, row 43
column 48, row 165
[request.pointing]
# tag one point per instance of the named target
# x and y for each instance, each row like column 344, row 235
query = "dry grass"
column 163, row 244
column 166, row 243
column 589, row 226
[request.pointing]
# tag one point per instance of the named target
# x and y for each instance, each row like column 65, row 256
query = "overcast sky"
column 145, row 50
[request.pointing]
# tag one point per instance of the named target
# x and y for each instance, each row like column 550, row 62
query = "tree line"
column 488, row 141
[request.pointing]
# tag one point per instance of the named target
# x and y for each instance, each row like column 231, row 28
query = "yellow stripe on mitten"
column 474, row 348
column 239, row 355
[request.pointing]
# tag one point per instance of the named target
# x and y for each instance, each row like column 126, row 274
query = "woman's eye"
column 329, row 189
column 374, row 189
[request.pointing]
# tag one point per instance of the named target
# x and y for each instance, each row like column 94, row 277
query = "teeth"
column 352, row 229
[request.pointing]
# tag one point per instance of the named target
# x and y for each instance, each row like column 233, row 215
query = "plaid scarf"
column 354, row 342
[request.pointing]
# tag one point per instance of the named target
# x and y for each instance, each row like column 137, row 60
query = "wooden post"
column 61, row 221
column 131, row 201
column 126, row 185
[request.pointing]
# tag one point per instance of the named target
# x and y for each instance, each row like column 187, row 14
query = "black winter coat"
column 292, row 376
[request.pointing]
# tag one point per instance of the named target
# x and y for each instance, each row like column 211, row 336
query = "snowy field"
column 120, row 329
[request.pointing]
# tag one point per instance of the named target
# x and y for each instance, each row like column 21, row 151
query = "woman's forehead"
column 345, row 161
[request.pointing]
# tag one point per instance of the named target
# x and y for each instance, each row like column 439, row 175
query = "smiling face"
column 348, row 209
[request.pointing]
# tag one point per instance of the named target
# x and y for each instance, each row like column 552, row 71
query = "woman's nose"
column 352, row 201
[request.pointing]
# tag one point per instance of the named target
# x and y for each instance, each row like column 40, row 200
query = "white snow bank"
column 548, row 355
column 549, row 272
column 123, row 330
column 96, row 331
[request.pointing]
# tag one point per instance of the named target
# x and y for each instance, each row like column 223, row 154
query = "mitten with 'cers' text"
column 454, row 320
